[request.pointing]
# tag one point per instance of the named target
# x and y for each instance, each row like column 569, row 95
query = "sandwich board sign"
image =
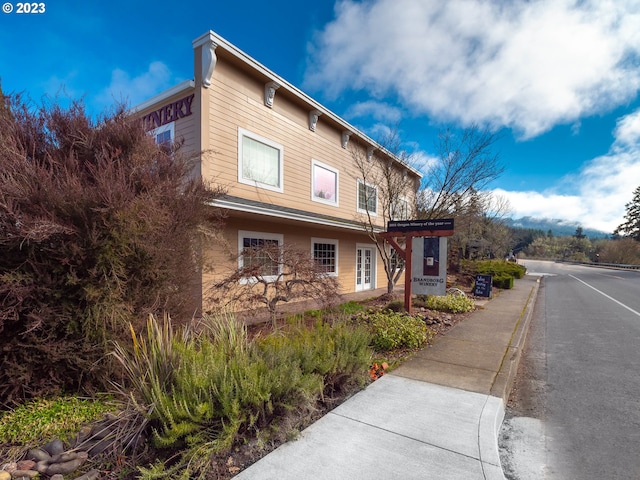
column 482, row 287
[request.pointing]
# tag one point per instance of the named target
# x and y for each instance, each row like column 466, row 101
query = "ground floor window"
column 325, row 254
column 396, row 260
column 259, row 253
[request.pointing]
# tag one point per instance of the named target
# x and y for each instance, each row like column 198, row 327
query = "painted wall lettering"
column 167, row 114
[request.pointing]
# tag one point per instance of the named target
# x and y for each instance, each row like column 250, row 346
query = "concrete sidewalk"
column 435, row 417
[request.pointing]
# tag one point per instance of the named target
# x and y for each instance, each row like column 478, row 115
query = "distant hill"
column 559, row 228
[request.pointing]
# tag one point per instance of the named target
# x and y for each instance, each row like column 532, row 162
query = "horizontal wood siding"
column 186, row 132
column 221, row 256
column 236, row 100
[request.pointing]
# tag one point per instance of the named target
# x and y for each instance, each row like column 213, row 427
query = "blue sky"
column 558, row 78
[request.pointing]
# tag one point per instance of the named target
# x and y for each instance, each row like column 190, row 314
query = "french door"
column 365, row 268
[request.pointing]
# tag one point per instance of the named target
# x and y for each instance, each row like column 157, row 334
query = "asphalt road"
column 575, row 411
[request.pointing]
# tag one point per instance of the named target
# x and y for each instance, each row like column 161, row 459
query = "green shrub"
column 223, row 387
column 392, row 330
column 349, row 308
column 338, row 353
column 395, row 306
column 503, row 272
column 450, row 303
column 42, row 420
column 493, row 267
column 503, row 281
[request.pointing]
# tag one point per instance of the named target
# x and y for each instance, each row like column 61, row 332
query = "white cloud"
column 62, row 87
column 627, row 132
column 377, row 110
column 526, row 65
column 602, row 187
column 134, row 90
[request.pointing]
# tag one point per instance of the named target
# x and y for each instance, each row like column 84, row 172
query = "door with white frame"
column 365, row 267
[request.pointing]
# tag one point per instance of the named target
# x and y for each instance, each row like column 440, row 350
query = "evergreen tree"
column 631, row 227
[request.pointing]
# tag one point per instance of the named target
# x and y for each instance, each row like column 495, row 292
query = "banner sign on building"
column 429, row 266
column 167, row 114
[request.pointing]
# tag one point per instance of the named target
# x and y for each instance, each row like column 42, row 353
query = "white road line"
column 605, row 295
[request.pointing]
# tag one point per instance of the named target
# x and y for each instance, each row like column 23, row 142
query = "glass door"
column 365, row 269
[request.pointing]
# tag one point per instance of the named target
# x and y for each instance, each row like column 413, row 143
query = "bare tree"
column 270, row 274
column 388, row 193
column 466, row 163
column 621, row 250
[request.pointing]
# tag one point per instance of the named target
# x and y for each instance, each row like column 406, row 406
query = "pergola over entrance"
column 409, row 229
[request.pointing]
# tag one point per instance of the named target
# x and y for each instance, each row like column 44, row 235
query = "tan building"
column 288, row 164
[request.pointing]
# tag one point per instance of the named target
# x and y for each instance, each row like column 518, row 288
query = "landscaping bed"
column 255, row 438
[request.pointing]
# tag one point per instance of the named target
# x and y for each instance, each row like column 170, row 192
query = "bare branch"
column 466, row 163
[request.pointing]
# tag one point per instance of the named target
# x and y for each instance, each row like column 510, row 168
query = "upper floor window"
column 367, row 198
column 164, row 135
column 324, row 183
column 260, row 161
column 399, row 209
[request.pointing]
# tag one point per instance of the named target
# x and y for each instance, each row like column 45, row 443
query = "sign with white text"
column 415, row 225
column 482, row 286
column 429, row 266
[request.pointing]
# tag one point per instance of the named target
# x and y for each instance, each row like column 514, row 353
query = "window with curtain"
column 260, row 161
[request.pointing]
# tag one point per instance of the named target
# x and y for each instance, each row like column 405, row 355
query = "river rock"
column 39, row 455
column 83, row 435
column 67, row 457
column 42, row 466
column 26, row 465
column 66, row 467
column 90, row 475
column 54, row 447
column 10, row 467
column 24, row 474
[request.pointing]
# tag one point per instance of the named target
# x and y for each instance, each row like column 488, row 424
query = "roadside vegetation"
column 207, row 399
column 195, row 396
column 579, row 248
